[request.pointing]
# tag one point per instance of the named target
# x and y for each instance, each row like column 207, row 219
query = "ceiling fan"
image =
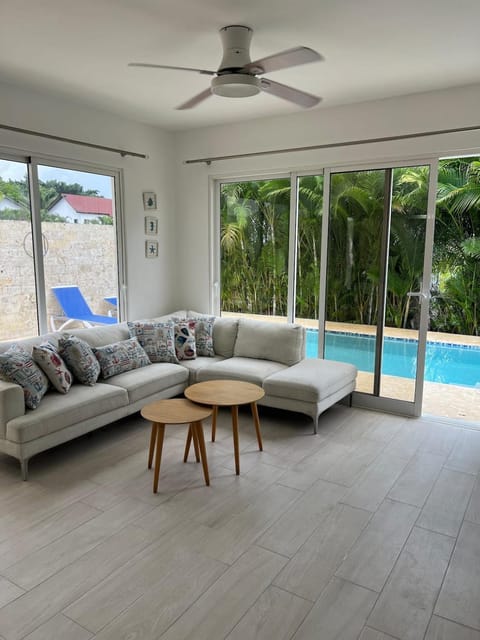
column 237, row 75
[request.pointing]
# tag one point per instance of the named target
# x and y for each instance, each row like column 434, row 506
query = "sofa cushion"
column 79, row 358
column 248, row 369
column 99, row 336
column 17, row 366
column 157, row 338
column 150, row 380
column 59, row 411
column 185, row 346
column 53, row 366
column 194, row 366
column 120, row 357
column 311, row 380
column 280, row 342
column 224, row 336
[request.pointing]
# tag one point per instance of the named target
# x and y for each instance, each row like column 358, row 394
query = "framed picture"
column 151, row 226
column 151, row 249
column 149, row 200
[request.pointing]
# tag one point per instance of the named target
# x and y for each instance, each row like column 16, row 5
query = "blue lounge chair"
column 75, row 309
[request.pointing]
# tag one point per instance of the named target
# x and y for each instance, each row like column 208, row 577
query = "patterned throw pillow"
column 17, row 366
column 50, row 362
column 119, row 357
column 80, row 359
column 157, row 338
column 204, row 336
column 185, row 347
column 203, row 329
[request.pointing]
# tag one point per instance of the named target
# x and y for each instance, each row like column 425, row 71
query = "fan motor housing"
column 235, row 85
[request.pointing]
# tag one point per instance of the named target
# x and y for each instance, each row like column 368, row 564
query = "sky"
column 17, row 170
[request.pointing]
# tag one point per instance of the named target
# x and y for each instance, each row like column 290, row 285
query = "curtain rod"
column 50, row 136
column 331, row 145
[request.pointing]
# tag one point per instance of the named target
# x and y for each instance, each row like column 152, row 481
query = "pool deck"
column 439, row 400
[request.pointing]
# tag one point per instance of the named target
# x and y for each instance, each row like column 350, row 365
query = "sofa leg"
column 315, row 425
column 24, row 467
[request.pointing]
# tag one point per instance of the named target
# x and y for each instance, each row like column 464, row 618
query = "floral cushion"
column 203, row 328
column 51, row 363
column 17, row 366
column 80, row 359
column 119, row 357
column 185, row 347
column 204, row 336
column 157, row 338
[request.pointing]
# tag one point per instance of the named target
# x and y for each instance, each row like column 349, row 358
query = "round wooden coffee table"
column 176, row 411
column 229, row 393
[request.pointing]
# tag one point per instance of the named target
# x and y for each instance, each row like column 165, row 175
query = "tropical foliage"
column 255, row 239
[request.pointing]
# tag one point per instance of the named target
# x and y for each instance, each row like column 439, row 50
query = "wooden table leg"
column 214, row 422
column 198, row 429
column 235, row 438
column 256, row 421
column 153, row 437
column 158, row 455
column 187, row 443
column 195, row 442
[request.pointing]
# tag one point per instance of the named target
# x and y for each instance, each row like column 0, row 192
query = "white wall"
column 151, row 283
column 395, row 116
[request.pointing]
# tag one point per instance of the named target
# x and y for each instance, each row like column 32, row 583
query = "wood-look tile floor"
column 369, row 530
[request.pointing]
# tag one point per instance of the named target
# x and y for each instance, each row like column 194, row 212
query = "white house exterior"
column 8, row 203
column 81, row 209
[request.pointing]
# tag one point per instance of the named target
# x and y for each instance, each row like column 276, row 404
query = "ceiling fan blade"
column 200, row 97
column 283, row 60
column 204, row 72
column 301, row 98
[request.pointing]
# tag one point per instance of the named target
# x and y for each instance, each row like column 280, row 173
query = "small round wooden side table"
column 229, row 393
column 176, row 411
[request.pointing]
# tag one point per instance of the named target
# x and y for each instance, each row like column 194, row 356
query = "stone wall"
column 82, row 255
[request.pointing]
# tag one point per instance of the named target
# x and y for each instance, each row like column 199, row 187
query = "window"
column 68, row 237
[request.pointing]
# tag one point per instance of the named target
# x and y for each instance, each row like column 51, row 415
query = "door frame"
column 362, row 399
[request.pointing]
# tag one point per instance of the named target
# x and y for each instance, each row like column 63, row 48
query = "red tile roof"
column 89, row 204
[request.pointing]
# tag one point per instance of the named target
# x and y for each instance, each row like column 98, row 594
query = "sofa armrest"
column 12, row 404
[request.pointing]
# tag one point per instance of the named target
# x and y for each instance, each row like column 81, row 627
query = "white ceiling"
column 372, row 48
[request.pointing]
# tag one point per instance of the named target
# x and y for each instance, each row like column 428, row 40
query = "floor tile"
column 372, row 557
column 445, row 508
column 276, row 614
column 441, row 629
column 59, row 628
column 222, row 606
column 406, row 603
column 459, row 598
column 312, row 567
column 291, row 530
column 340, row 612
column 370, row 491
column 417, row 479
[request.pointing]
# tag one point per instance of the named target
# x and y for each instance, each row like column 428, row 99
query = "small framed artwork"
column 151, row 226
column 149, row 200
column 151, row 249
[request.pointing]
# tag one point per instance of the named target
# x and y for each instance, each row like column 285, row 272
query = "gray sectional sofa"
column 270, row 355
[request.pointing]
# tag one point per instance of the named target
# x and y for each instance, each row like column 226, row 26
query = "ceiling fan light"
column 235, row 85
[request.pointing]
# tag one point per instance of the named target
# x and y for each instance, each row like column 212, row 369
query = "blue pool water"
column 447, row 363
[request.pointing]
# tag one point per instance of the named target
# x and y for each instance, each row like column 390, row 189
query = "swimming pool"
column 445, row 362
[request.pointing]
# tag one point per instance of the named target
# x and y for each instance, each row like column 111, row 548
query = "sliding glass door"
column 347, row 253
column 378, row 228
